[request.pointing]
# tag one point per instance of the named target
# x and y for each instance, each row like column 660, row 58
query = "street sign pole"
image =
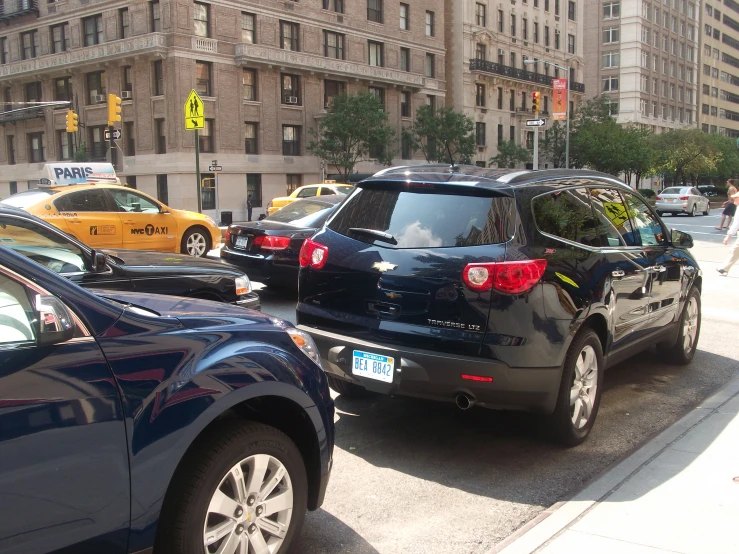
column 215, row 184
column 197, row 172
column 109, row 157
column 536, row 148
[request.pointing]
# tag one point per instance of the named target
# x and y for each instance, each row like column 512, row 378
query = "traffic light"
column 535, row 102
column 114, row 109
column 72, row 121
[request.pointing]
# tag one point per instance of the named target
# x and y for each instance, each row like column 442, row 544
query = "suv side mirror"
column 99, row 263
column 54, row 322
column 679, row 238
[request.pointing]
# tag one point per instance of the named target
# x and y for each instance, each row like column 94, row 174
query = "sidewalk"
column 679, row 493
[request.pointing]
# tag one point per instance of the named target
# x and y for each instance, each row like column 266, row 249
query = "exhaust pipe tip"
column 464, row 401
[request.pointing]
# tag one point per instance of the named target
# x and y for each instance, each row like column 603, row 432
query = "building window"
column 93, row 27
column 571, row 11
column 96, row 87
column 156, row 20
column 480, row 51
column 203, row 78
column 375, row 53
column 201, row 20
column 430, row 101
column 334, row 5
column 4, row 57
column 536, row 32
column 249, row 80
column 571, row 44
column 29, row 44
column 546, row 36
column 35, row 147
column 430, row 65
column 63, row 89
column 124, row 22
column 248, row 28
column 374, row 11
column 405, row 59
column 512, row 101
column 289, row 36
column 501, row 21
column 254, row 189
column 59, row 38
column 430, row 24
column 98, row 144
column 405, row 104
column 332, row 89
column 480, row 95
column 333, row 45
column 158, row 77
column 126, row 82
column 512, row 133
column 11, row 149
column 64, row 145
column 290, row 140
column 250, row 138
column 480, row 134
column 610, row 59
column 611, row 10
column 379, row 93
column 160, row 146
column 405, row 17
column 610, row 84
column 130, row 138
column 500, row 98
column 480, row 14
column 406, row 150
column 162, row 189
column 13, row 187
column 294, row 181
column 513, row 25
column 291, row 89
column 610, row 35
column 206, row 137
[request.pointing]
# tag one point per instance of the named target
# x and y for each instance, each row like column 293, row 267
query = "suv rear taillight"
column 505, row 277
column 271, row 243
column 313, row 254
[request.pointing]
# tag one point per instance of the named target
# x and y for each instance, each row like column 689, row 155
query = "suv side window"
column 613, row 219
column 83, row 201
column 306, row 192
column 45, row 247
column 16, row 313
column 647, row 225
column 567, row 214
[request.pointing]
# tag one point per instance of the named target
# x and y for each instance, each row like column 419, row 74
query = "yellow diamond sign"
column 194, row 112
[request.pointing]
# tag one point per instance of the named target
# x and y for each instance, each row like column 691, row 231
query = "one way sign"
column 536, row 122
column 116, row 134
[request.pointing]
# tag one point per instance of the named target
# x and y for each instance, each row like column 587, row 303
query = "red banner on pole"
column 559, row 86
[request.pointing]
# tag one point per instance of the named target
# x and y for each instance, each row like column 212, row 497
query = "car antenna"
column 452, row 167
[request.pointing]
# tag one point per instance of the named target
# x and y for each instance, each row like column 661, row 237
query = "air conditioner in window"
column 97, row 98
column 501, row 52
column 291, row 99
column 126, row 95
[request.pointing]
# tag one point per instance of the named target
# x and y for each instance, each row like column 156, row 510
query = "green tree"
column 685, row 154
column 509, row 154
column 638, row 153
column 354, row 129
column 553, row 147
column 81, row 154
column 600, row 145
column 728, row 166
column 438, row 132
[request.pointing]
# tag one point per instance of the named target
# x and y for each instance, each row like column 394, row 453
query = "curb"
column 555, row 519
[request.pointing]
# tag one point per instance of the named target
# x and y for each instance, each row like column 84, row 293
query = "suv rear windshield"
column 425, row 218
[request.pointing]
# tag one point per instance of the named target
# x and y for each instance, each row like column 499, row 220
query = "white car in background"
column 682, row 200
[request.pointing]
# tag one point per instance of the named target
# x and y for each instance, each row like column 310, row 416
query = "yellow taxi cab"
column 87, row 201
column 322, row 189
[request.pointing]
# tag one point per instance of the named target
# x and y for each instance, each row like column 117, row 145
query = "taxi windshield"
column 27, row 198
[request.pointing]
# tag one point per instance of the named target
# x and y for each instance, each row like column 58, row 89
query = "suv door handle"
column 618, row 273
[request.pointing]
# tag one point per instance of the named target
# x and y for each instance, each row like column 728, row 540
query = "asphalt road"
column 413, row 476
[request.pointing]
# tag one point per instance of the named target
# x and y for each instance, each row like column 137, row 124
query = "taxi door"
column 145, row 226
column 89, row 216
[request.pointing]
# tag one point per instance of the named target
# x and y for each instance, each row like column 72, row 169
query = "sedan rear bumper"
column 438, row 376
column 261, row 268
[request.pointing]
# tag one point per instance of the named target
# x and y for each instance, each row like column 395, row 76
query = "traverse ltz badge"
column 194, row 112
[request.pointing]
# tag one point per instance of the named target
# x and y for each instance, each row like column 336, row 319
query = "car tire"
column 585, row 356
column 204, row 493
column 682, row 351
column 708, row 209
column 693, row 211
column 195, row 242
column 347, row 389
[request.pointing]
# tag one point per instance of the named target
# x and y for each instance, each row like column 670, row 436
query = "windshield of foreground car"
column 27, row 198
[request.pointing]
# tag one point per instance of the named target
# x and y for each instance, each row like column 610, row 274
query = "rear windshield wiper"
column 379, row 235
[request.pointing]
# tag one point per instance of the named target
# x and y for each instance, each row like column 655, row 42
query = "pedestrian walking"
column 734, row 256
column 249, row 206
column 729, row 206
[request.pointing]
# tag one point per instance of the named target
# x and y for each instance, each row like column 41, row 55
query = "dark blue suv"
column 501, row 288
column 130, row 422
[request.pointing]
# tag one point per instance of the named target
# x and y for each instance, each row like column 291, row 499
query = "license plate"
column 373, row 366
column 670, row 199
column 241, row 242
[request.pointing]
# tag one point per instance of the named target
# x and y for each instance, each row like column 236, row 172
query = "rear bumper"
column 672, row 208
column 261, row 268
column 437, row 376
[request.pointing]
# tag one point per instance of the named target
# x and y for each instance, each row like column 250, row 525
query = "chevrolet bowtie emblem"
column 383, row 266
column 393, row 295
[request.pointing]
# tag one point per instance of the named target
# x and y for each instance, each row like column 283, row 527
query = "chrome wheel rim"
column 196, row 244
column 693, row 210
column 584, row 387
column 690, row 325
column 251, row 509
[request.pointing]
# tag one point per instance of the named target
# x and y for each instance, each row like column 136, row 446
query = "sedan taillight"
column 228, row 234
column 659, row 198
column 266, row 242
column 506, row 277
column 313, row 254
column 684, row 197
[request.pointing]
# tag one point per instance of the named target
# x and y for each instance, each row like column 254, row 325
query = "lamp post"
column 567, row 108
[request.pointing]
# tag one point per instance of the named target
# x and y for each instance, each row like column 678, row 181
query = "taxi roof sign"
column 65, row 174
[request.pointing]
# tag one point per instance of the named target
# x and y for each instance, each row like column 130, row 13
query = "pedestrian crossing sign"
column 194, row 112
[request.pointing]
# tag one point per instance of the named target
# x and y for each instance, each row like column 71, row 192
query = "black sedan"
column 268, row 249
column 123, row 270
